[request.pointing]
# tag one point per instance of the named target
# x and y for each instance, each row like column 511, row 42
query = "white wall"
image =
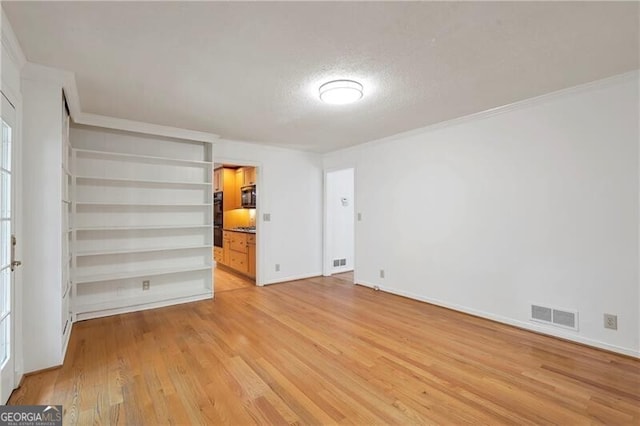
column 42, row 153
column 339, row 235
column 290, row 190
column 536, row 202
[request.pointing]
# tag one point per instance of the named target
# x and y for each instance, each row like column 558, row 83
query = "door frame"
column 17, row 295
column 326, row 256
column 260, row 195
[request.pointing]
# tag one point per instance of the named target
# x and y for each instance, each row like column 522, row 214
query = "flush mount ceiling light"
column 339, row 92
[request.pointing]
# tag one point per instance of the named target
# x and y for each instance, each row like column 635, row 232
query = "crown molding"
column 103, row 121
column 67, row 81
column 58, row 77
column 267, row 147
column 514, row 106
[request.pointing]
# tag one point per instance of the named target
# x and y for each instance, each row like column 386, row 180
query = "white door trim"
column 16, row 363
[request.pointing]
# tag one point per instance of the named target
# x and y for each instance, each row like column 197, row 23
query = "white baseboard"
column 509, row 321
column 142, row 307
column 341, row 270
column 293, row 278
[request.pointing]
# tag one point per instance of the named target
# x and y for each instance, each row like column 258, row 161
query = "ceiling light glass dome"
column 340, row 92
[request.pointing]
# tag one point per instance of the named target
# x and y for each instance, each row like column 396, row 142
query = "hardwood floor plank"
column 301, row 403
column 325, row 351
column 225, row 280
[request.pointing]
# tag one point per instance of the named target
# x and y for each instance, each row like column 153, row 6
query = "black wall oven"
column 217, row 219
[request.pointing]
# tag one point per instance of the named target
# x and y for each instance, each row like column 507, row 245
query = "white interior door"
column 7, row 250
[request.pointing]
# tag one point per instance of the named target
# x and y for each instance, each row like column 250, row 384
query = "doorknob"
column 14, row 263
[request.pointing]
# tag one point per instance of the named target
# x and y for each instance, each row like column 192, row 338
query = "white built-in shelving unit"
column 142, row 211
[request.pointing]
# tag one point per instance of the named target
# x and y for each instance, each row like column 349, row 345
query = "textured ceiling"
column 250, row 71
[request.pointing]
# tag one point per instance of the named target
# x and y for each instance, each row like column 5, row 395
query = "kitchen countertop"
column 245, row 231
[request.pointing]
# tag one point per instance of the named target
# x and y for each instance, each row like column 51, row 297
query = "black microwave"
column 248, row 196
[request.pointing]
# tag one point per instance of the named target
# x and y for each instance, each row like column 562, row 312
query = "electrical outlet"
column 146, row 284
column 266, row 217
column 277, row 267
column 611, row 321
column 359, row 217
column 381, row 273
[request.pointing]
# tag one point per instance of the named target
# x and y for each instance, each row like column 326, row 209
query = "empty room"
column 320, row 213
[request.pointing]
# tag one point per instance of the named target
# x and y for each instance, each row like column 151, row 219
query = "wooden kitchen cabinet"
column 248, row 176
column 230, row 194
column 218, row 254
column 239, row 252
column 238, row 258
column 239, row 184
column 251, row 254
column 226, row 247
column 238, row 242
column 217, row 180
column 239, row 262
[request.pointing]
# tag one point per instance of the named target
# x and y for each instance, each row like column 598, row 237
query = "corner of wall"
column 10, row 41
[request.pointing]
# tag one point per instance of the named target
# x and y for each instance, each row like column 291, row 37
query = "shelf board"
column 140, row 300
column 87, row 203
column 140, row 228
column 142, row 181
column 82, row 279
column 142, row 250
column 148, row 158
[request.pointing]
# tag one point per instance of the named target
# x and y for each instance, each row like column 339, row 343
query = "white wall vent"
column 540, row 313
column 553, row 316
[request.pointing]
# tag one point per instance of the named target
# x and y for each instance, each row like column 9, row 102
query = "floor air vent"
column 552, row 316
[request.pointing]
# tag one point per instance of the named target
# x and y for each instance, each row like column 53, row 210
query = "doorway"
column 339, row 226
column 8, row 261
column 236, row 200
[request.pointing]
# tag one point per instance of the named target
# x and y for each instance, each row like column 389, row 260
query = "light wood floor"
column 322, row 351
column 345, row 276
column 226, row 280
